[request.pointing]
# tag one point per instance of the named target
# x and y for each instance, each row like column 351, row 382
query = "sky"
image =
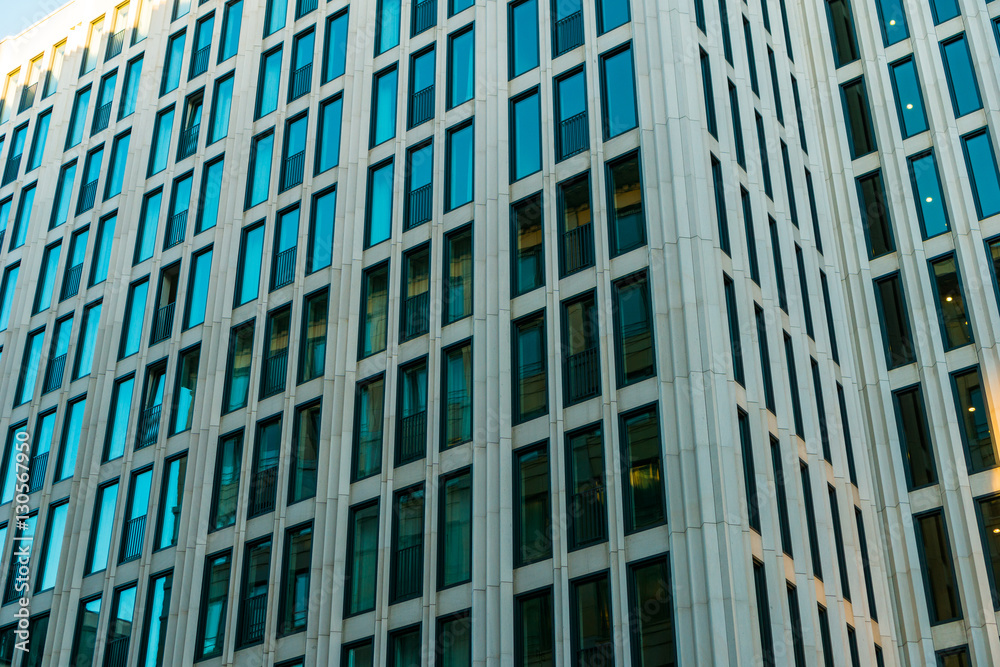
column 16, row 15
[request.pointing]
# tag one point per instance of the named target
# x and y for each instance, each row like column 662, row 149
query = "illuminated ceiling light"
column 909, row 106
column 996, row 530
column 929, row 200
column 947, row 298
column 972, row 408
column 892, row 22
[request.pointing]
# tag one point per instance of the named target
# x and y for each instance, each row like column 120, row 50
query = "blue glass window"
column 135, row 314
column 270, row 80
column 387, row 25
column 91, row 174
column 324, row 211
column 611, row 14
column 211, row 195
column 102, row 250
column 232, row 18
column 38, row 141
column 927, row 189
column 63, row 198
column 7, row 294
column 981, row 161
column 222, row 106
column 459, row 167
column 148, row 224
column 461, row 67
column 523, row 37
column 203, row 33
column 944, row 10
column 78, row 119
column 335, row 49
column 384, row 106
column 456, row 6
column 379, row 218
column 961, row 76
column 618, row 84
column 572, row 131
column 909, row 102
column 161, row 142
column 892, row 18
column 526, row 135
column 47, row 278
column 419, row 192
column 251, row 254
column 119, row 157
column 198, row 284
column 23, row 217
column 130, row 91
column 277, row 11
column 303, row 47
column 328, row 151
column 293, row 161
column 172, row 64
column 259, row 183
column 421, row 101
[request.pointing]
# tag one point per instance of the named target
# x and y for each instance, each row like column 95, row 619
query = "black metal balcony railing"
column 583, row 377
column 263, row 488
column 412, row 437
column 199, row 61
column 38, row 465
column 27, row 97
column 569, row 33
column 12, row 169
column 409, row 571
column 578, row 248
column 115, row 44
column 422, row 106
column 163, row 322
column 301, row 81
column 71, row 283
column 587, row 514
column 116, row 655
column 135, row 530
column 176, row 228
column 188, row 144
column 284, row 268
column 254, row 619
column 416, row 315
column 573, row 136
column 294, row 169
column 149, row 427
column 420, row 205
column 101, row 118
column 54, row 374
column 424, row 15
column 275, row 368
column 87, row 196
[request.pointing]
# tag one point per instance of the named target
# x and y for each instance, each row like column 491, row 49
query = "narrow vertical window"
column 875, row 215
column 149, row 220
column 135, row 315
column 804, row 291
column 305, row 454
column 269, row 82
column 415, row 314
column 909, row 101
column 222, row 106
column 734, row 108
column 116, row 166
column 721, row 214
column 533, row 505
column 286, row 238
column 88, row 191
column 765, row 160
column 765, row 359
column 252, row 616
column 226, row 489
column 461, row 66
column 383, row 125
column 838, row 540
column 407, row 545
column 378, row 218
column 335, row 47
column 134, row 534
column 526, row 133
column 198, row 283
column 249, row 269
column 528, row 271
column 651, row 613
column 264, row 468
column 100, row 535
column 974, row 420
column 171, row 498
column 763, row 614
column 898, row 341
column 303, row 46
column 231, row 20
column 154, row 635
column 47, row 278
column 576, row 248
column 362, row 559
column 411, row 429
column 580, row 349
column 860, row 130
column 368, row 419
column 86, row 343
column 587, row 501
column 459, row 165
column 56, row 368
column 751, row 58
column 534, row 643
column 644, row 496
column 627, row 224
column 457, row 281
column 321, row 227
column 807, row 503
column 955, row 328
column 85, row 635
column 981, row 162
column 793, row 386
column 735, row 333
column 926, row 180
column 529, row 360
column 865, row 564
column 215, row 602
column 618, row 92
column 940, row 586
column 845, row 43
column 237, row 386
column 312, row 353
column 186, row 385
column 784, row 525
column 160, row 152
column 633, row 315
column 78, row 117
column 421, row 99
column 522, row 38
column 277, row 13
column 328, row 134
column 798, row 650
column 572, row 128
column 172, row 63
column 52, row 550
column 567, row 29
column 259, row 180
column 914, row 436
column 386, row 25
column 203, row 31
column 294, row 609
column 375, row 309
column 892, row 21
column 591, row 621
column 210, row 197
column 706, row 82
column 828, row 306
column 456, row 390
column 455, row 531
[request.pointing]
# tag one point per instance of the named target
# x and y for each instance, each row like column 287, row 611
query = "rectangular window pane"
column 160, row 154
column 651, row 614
column 154, row 636
column 171, row 497
column 328, row 151
column 628, row 228
column 383, row 126
column 915, row 438
column 411, row 429
column 222, row 103
column 523, row 37
column 459, row 167
column 899, row 349
column 591, row 622
column 982, row 165
column 312, row 357
column 576, row 251
column 455, row 536
column 974, row 420
column 618, row 84
column 875, row 214
column 926, row 182
column 535, row 642
column 210, row 197
column 529, row 355
column 644, row 495
column 735, row 334
column 198, row 284
column 387, row 25
column 232, row 18
column 458, row 275
column 457, row 394
column 54, row 533
column 587, row 501
column 269, row 85
column 526, row 129
column 135, row 315
column 461, row 67
column 961, row 73
column 184, row 391
column 844, row 41
column 229, row 461
column 636, row 357
column 368, row 428
column 375, row 306
column 940, row 587
column 909, row 102
column 215, row 602
column 407, row 545
column 335, row 48
column 860, row 130
column 248, row 275
column 100, row 536
column 528, row 257
column 305, row 454
column 955, row 327
column 85, row 635
column 259, row 182
column 252, row 617
column 362, row 559
column 294, row 613
column 238, row 370
column 721, row 214
column 378, row 220
column 533, row 513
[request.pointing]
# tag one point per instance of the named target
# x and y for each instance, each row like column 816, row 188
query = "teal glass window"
column 522, row 54
column 909, row 102
column 526, row 139
column 328, row 151
column 160, row 153
column 78, row 118
column 64, row 195
column 222, row 105
column 231, row 20
column 248, row 275
column 980, row 159
column 961, row 74
column 618, row 88
column 172, row 63
column 459, row 167
column 461, row 66
column 384, row 106
column 130, row 91
column 210, row 198
column 378, row 221
column 335, row 48
column 926, row 181
column 270, row 81
column 321, row 229
column 387, row 25
column 259, row 183
column 892, row 20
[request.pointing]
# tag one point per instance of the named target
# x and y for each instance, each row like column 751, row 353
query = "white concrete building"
column 541, row 332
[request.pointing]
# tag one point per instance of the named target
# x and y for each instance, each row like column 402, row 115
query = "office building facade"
column 478, row 332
